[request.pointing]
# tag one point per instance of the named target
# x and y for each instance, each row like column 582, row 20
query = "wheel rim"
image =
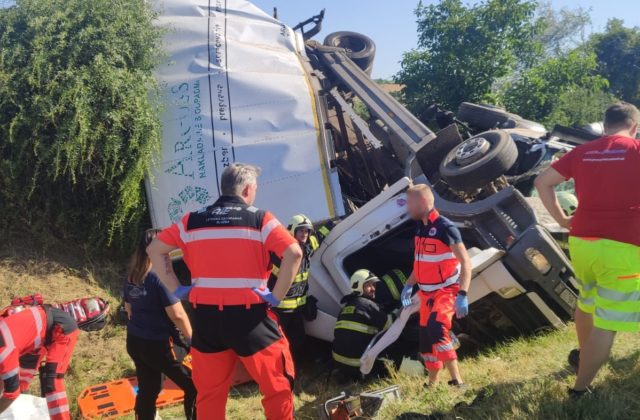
column 472, row 150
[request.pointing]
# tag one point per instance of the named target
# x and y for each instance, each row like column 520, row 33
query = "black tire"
column 483, row 117
column 361, row 49
column 497, row 160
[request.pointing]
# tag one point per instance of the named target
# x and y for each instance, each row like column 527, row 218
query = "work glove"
column 182, row 292
column 405, row 296
column 462, row 306
column 267, row 296
column 310, row 310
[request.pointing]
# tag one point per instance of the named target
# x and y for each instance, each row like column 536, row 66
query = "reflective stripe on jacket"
column 296, row 296
column 359, row 320
column 434, row 260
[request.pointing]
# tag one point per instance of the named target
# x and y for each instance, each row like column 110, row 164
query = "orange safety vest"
column 226, row 247
column 435, row 265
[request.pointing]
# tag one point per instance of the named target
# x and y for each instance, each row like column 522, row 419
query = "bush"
column 78, row 120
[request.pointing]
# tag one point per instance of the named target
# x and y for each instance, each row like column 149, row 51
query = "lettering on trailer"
column 221, row 118
column 188, row 148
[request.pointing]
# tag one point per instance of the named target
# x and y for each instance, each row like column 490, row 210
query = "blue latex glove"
column 182, row 292
column 405, row 295
column 462, row 306
column 267, row 296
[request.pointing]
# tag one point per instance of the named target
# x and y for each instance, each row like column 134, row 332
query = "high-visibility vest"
column 296, row 296
column 226, row 247
column 435, row 265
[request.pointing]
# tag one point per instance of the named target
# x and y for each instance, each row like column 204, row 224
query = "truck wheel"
column 483, row 117
column 479, row 160
column 360, row 48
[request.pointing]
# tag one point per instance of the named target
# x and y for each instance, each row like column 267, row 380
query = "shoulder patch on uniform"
column 252, row 209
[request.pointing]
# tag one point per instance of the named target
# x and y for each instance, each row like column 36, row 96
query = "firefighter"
column 389, row 288
column 360, row 319
column 29, row 335
column 442, row 270
column 296, row 305
column 226, row 247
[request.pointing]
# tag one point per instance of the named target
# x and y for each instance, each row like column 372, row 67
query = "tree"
column 561, row 30
column 618, row 52
column 540, row 90
column 579, row 106
column 78, row 123
column 462, row 50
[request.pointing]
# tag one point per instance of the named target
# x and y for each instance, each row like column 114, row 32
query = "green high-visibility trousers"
column 609, row 276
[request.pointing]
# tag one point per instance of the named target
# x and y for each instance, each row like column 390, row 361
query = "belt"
column 433, row 287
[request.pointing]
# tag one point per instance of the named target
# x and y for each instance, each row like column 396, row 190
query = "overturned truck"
column 241, row 86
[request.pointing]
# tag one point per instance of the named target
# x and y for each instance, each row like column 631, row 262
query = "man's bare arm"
column 288, row 269
column 460, row 251
column 545, row 184
column 158, row 252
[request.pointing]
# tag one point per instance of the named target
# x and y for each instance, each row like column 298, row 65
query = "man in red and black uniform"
column 442, row 271
column 29, row 335
column 227, row 247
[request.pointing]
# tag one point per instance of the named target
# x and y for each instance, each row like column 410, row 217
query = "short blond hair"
column 422, row 190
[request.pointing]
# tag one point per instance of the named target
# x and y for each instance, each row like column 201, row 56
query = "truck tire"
column 479, row 160
column 360, row 48
column 483, row 117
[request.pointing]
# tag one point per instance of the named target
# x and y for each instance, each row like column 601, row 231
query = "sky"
column 392, row 26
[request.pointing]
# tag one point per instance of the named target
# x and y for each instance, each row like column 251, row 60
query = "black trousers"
column 292, row 324
column 152, row 359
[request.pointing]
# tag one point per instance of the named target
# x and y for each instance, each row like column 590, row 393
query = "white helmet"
column 359, row 278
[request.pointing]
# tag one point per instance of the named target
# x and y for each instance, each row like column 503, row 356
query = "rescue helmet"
column 568, row 201
column 299, row 221
column 359, row 278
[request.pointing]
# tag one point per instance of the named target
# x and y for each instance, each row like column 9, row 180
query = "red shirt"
column 227, row 248
column 606, row 174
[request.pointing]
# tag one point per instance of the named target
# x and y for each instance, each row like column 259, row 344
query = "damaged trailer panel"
column 234, row 90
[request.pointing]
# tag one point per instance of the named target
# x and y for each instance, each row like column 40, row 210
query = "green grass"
column 525, row 378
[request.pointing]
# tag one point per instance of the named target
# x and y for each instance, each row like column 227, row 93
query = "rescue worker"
column 296, row 305
column 442, row 271
column 153, row 342
column 389, row 288
column 604, row 236
column 360, row 319
column 226, row 247
column 30, row 335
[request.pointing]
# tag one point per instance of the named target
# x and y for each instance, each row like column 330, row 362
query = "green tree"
column 537, row 92
column 78, row 122
column 579, row 105
column 618, row 52
column 561, row 30
column 462, row 50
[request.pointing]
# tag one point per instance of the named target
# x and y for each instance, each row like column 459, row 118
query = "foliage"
column 538, row 91
column 78, row 122
column 618, row 51
column 463, row 50
column 579, row 105
column 561, row 30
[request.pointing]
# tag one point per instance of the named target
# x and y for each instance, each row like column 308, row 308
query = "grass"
column 523, row 378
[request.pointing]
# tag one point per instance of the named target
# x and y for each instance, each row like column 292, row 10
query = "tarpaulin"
column 234, row 90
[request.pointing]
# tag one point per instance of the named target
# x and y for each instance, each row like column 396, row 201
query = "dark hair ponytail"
column 140, row 262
